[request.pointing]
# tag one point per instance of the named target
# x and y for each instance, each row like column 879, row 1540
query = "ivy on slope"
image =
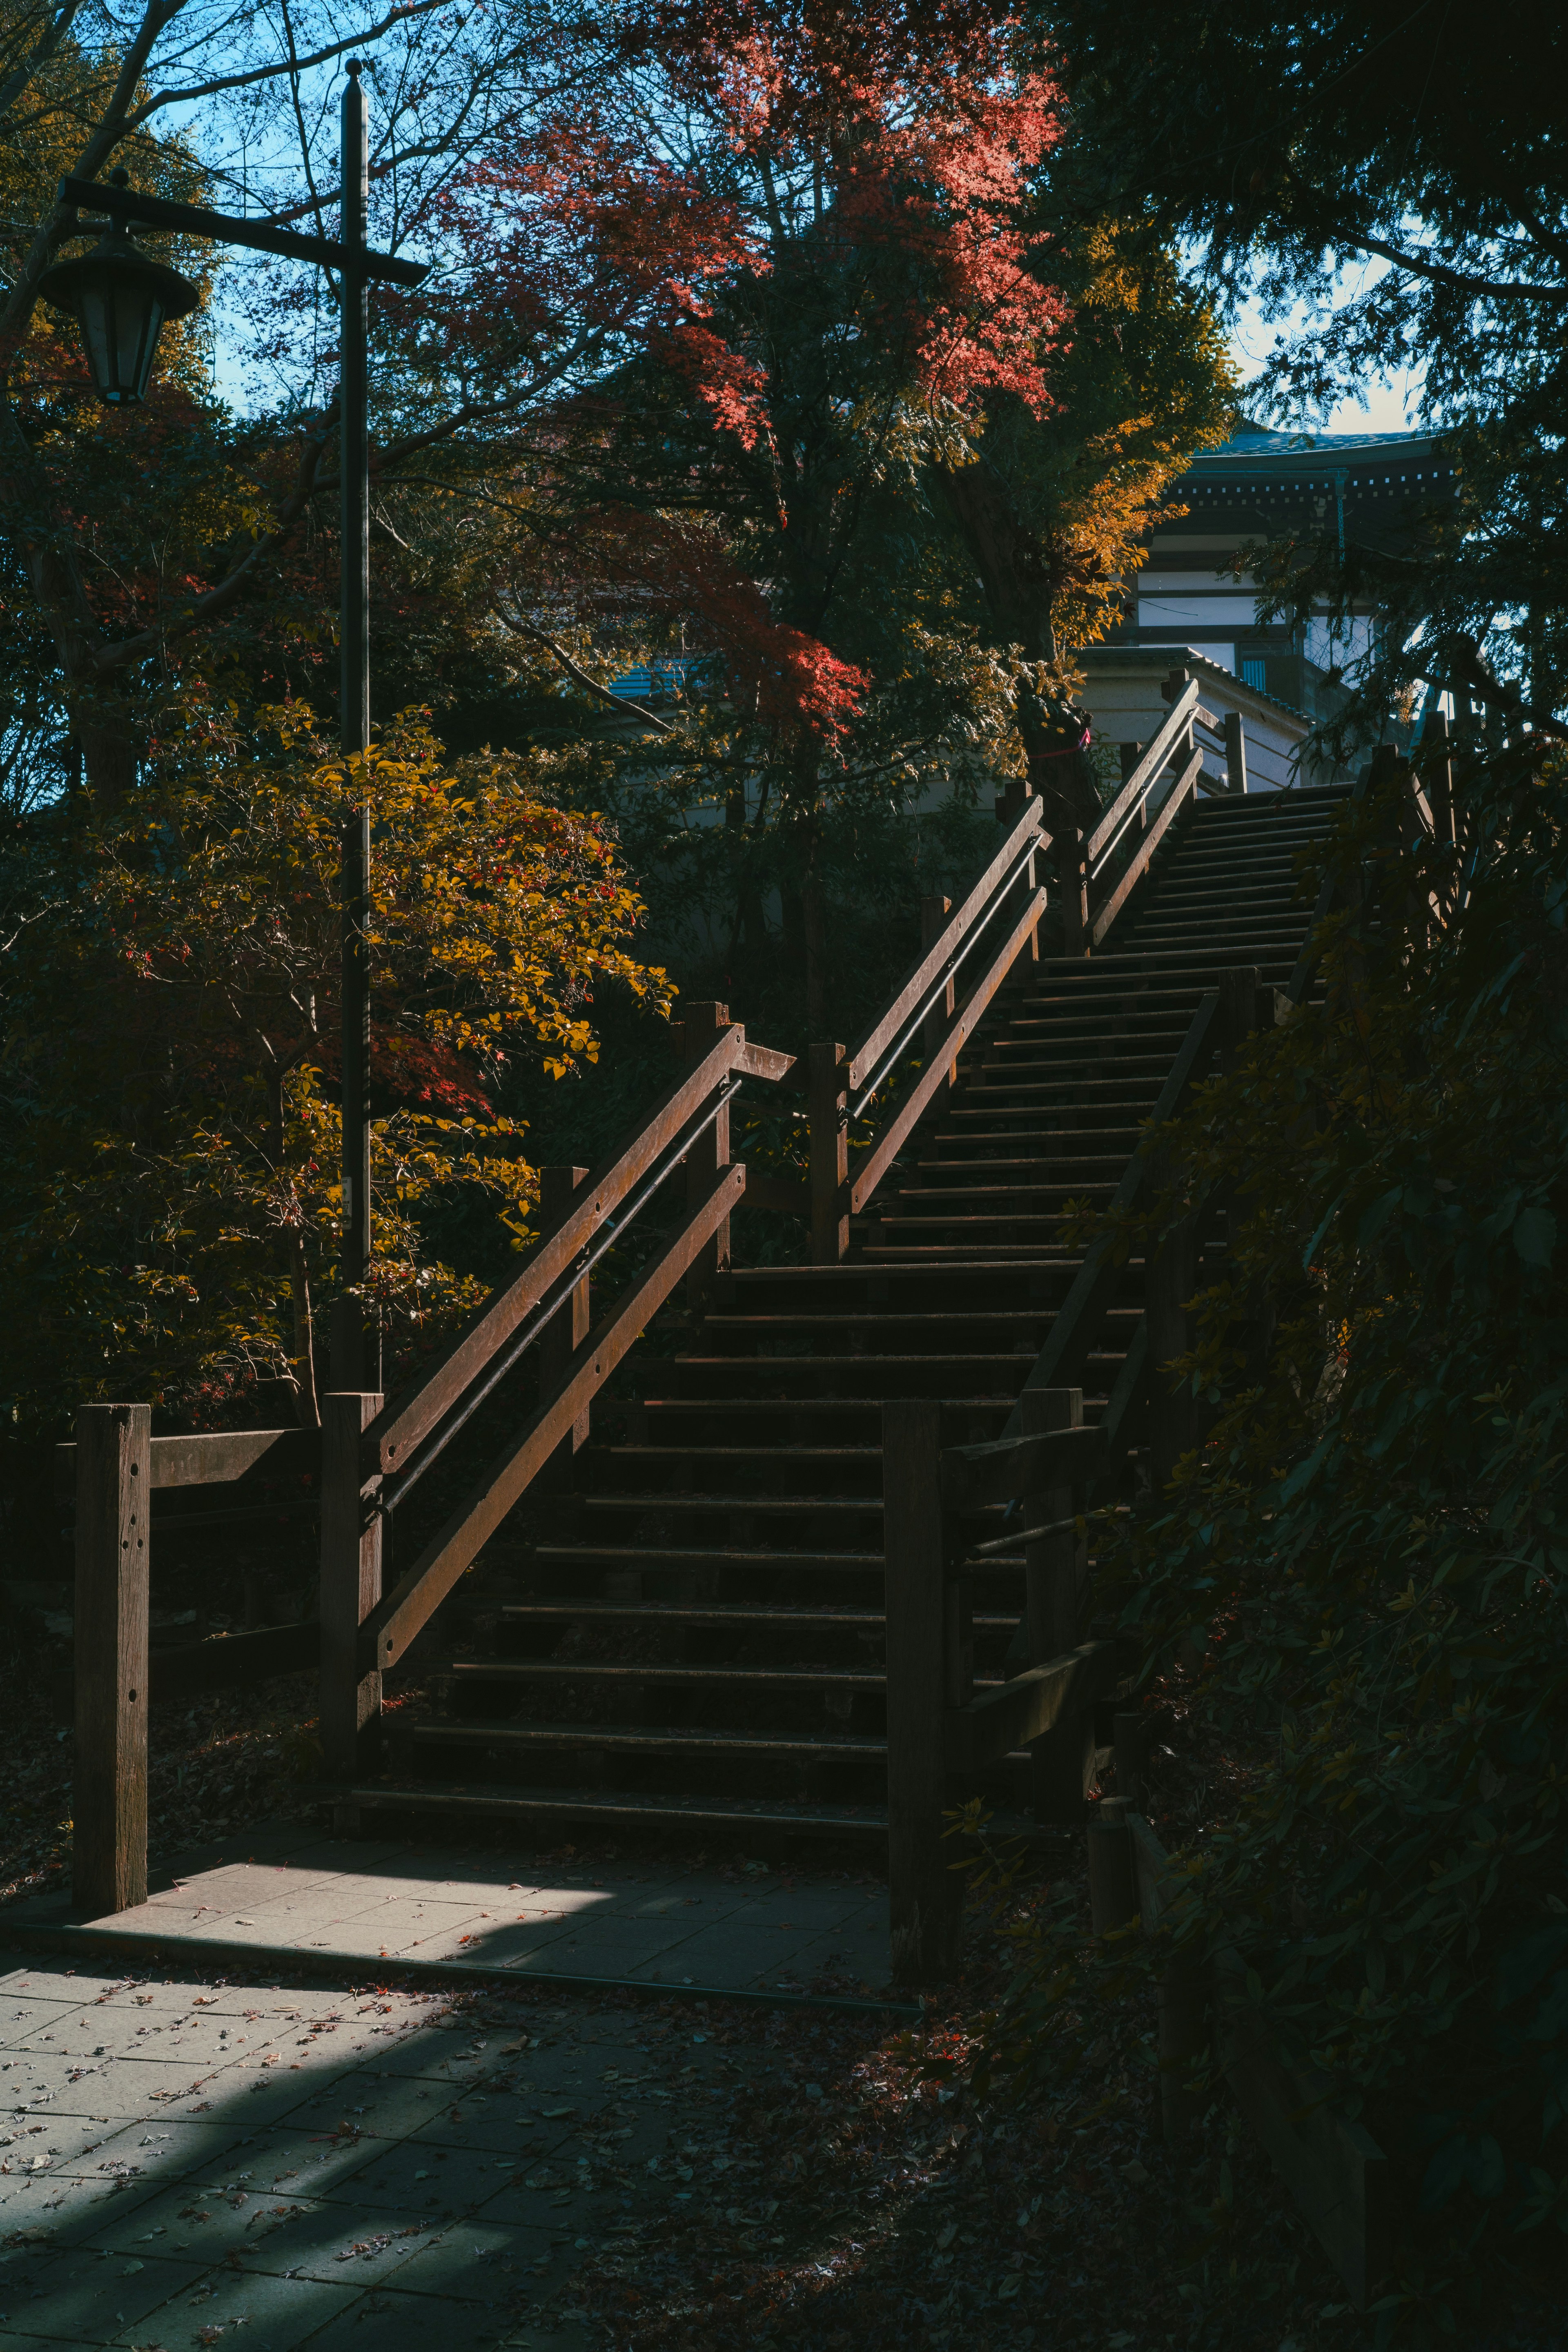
column 1369, row 1555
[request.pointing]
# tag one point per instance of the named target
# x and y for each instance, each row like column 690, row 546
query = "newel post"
column 350, row 1587
column 109, row 1807
column 704, row 1025
column 934, row 912
column 925, row 1892
column 568, row 1327
column 1234, row 752
column 1073, row 869
column 827, row 1106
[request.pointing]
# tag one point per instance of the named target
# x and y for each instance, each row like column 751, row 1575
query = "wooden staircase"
column 700, row 1650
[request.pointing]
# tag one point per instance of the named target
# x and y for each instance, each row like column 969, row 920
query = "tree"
column 122, row 609
column 171, row 1175
column 1426, row 144
column 1054, row 507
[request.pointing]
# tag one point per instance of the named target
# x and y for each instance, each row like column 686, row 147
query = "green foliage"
column 171, row 1180
column 1370, row 1552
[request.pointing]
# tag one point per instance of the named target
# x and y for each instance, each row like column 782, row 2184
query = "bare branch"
column 514, row 620
column 257, row 74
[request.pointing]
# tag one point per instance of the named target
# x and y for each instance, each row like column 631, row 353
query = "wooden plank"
column 828, row 1105
column 1002, row 1469
column 1024, row 836
column 1029, row 1706
column 351, row 1587
column 1149, row 768
column 409, row 1415
column 213, row 1458
column 925, row 1895
column 425, row 1585
column 233, row 1661
column 1172, row 808
column 113, row 1483
column 1125, row 1414
column 764, row 1062
column 878, row 1161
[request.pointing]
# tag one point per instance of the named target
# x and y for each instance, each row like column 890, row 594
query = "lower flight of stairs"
column 702, row 1652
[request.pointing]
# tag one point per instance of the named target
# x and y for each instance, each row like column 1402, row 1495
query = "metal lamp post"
column 120, row 296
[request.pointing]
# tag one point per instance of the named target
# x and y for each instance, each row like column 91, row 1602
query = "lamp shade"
column 120, row 297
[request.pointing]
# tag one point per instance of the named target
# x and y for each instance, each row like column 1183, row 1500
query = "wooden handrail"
column 1003, row 1469
column 865, row 1179
column 409, row 1416
column 1148, row 769
column 393, row 1626
column 212, row 1458
column 1170, row 808
column 1025, row 836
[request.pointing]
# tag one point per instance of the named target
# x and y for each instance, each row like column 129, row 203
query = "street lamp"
column 120, row 296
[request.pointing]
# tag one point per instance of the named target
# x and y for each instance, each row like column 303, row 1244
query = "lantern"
column 119, row 296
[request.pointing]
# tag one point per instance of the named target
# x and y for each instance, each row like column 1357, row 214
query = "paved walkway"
column 180, row 2161
column 278, row 1893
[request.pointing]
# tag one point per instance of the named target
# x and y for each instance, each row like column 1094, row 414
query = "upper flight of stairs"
column 703, row 1648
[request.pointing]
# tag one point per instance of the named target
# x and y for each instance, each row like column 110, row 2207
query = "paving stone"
column 384, row 2322
column 71, row 2301
column 263, row 2311
column 350, row 2245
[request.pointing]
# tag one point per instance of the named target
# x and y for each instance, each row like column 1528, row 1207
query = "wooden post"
column 925, row 1895
column 1234, row 752
column 350, row 1587
column 1112, row 1881
column 1073, row 868
column 828, row 1108
column 1055, row 1572
column 706, row 1156
column 568, row 1327
column 109, row 1806
column 934, row 912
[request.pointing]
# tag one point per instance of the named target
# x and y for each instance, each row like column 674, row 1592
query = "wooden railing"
column 1115, row 858
column 372, row 1454
column 114, row 1468
column 943, row 1511
column 968, row 955
column 370, row 1468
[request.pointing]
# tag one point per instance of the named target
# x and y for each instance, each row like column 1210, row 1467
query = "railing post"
column 1234, row 752
column 925, row 1895
column 934, row 912
column 706, row 1156
column 1072, row 866
column 567, row 1330
column 350, row 1587
column 109, row 1806
column 1112, row 1881
column 827, row 1104
column 1054, row 1573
